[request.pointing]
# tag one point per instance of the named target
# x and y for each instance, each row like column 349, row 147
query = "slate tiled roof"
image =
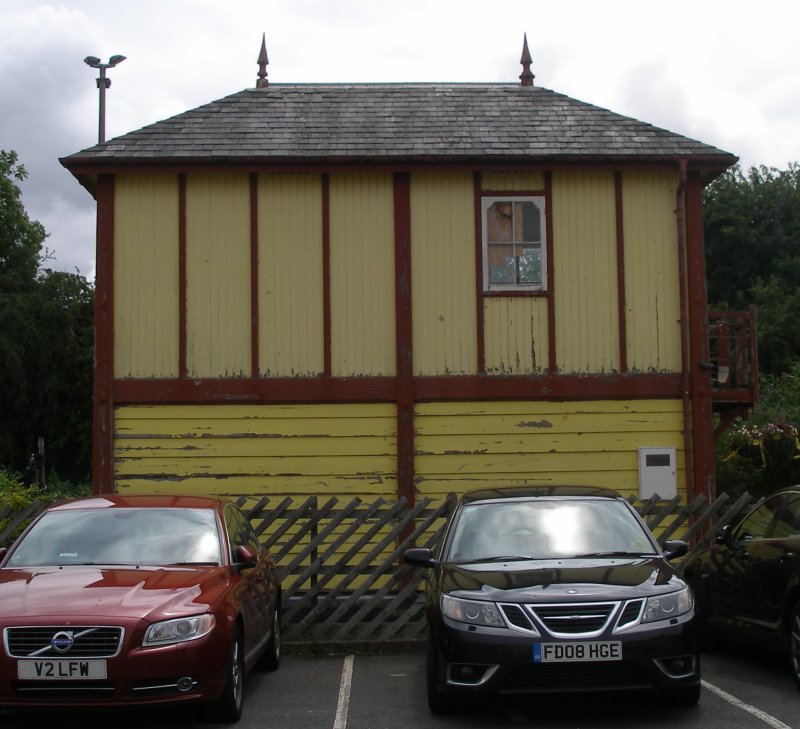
column 392, row 122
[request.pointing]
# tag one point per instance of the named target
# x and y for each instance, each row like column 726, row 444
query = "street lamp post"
column 102, row 84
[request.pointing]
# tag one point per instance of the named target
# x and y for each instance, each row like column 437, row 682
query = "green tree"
column 21, row 239
column 752, row 235
column 46, row 344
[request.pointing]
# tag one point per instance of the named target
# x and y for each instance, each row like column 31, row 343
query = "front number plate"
column 61, row 670
column 610, row 650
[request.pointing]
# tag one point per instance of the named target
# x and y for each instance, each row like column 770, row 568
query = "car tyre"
column 228, row 709
column 684, row 696
column 271, row 659
column 438, row 703
column 794, row 643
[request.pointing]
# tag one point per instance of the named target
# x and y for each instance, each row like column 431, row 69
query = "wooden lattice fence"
column 335, row 592
column 342, row 574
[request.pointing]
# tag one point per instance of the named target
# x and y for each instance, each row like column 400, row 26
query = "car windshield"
column 127, row 536
column 547, row 529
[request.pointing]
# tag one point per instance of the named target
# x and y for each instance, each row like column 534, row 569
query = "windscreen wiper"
column 613, row 553
column 502, row 558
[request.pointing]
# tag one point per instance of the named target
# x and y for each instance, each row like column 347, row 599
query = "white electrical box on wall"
column 658, row 473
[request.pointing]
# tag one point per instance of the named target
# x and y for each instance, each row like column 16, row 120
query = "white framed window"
column 514, row 243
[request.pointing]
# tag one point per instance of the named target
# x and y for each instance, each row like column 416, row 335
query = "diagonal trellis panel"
column 344, row 579
column 339, row 565
column 340, row 559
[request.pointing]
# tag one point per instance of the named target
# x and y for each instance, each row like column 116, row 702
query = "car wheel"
column 229, row 705
column 794, row 643
column 438, row 703
column 272, row 655
column 685, row 696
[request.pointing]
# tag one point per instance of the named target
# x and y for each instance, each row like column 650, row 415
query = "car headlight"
column 179, row 630
column 668, row 606
column 472, row 611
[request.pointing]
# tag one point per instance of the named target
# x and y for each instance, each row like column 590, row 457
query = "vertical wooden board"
column 652, row 290
column 515, row 331
column 585, row 265
column 291, row 326
column 257, row 449
column 362, row 275
column 443, row 274
column 146, row 330
column 218, row 333
column 506, row 181
column 464, row 446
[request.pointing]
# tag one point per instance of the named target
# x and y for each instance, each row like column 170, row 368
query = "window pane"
column 531, row 222
column 756, row 526
column 501, row 264
column 499, row 228
column 788, row 521
column 529, row 265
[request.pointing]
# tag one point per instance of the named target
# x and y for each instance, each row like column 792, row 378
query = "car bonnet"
column 86, row 592
column 546, row 580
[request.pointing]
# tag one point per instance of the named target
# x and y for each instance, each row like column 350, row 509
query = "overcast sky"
column 724, row 72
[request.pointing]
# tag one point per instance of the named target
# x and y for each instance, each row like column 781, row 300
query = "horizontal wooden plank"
column 256, row 428
column 327, row 465
column 263, row 447
column 236, row 486
column 258, row 411
column 526, row 407
column 548, row 442
column 493, row 464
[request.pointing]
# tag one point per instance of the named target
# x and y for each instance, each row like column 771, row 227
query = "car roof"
column 144, row 501
column 538, row 492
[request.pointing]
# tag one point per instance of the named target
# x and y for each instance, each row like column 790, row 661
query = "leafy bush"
column 17, row 496
column 762, row 455
column 13, row 493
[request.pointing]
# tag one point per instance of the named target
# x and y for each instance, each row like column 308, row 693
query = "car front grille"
column 574, row 619
column 86, row 641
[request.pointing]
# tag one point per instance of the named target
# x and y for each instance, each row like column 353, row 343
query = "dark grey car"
column 555, row 589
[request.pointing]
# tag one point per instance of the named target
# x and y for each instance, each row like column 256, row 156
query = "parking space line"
column 344, row 694
column 766, row 718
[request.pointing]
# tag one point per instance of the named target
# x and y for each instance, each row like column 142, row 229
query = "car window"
column 152, row 536
column 240, row 531
column 787, row 523
column 758, row 524
column 544, row 529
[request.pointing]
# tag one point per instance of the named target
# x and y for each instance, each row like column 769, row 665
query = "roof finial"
column 263, row 62
column 526, row 76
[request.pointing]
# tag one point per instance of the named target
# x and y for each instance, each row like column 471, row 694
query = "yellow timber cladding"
column 350, row 448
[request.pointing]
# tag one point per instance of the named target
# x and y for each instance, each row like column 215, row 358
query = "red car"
column 134, row 600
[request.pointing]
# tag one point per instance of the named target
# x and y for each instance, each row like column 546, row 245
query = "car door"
column 255, row 592
column 730, row 571
column 775, row 567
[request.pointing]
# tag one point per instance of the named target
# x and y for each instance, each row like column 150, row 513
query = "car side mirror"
column 246, row 556
column 3, row 552
column 674, row 548
column 420, row 557
column 724, row 535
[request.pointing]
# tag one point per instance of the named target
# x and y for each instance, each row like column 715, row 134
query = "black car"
column 555, row 589
column 747, row 583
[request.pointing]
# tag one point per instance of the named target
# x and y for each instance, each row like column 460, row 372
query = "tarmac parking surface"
column 367, row 691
